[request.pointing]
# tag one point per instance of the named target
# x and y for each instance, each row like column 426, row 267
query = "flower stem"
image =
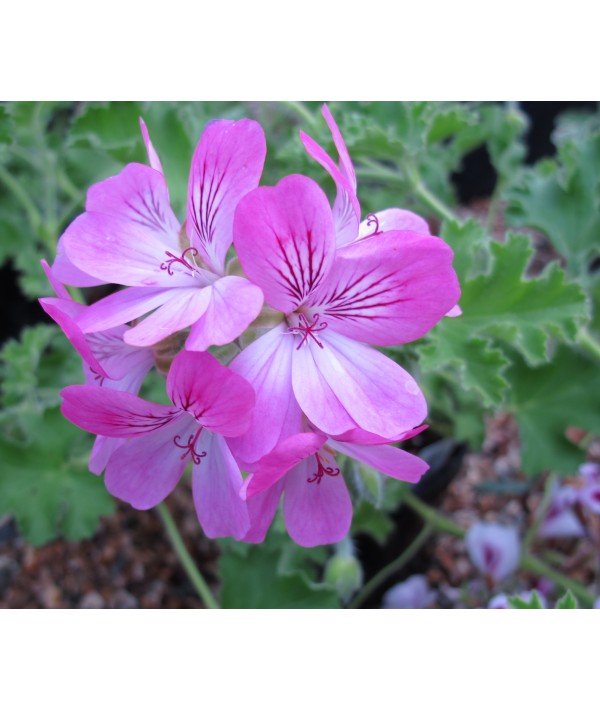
column 186, row 559
column 405, row 557
column 21, row 195
column 528, row 561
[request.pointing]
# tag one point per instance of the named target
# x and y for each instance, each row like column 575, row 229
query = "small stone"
column 91, row 601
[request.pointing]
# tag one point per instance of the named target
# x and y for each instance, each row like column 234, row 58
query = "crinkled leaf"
column 548, row 400
column 45, row 483
column 567, row 602
column 534, row 603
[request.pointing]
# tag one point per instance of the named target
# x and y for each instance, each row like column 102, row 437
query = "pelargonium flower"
column 414, row 593
column 330, row 303
column 560, row 520
column 129, row 235
column 317, row 508
column 107, row 360
column 493, row 549
column 210, row 403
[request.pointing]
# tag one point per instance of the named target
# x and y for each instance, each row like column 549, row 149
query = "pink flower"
column 107, row 360
column 493, row 549
column 331, row 302
column 316, row 504
column 560, row 520
column 130, row 236
column 589, row 497
column 412, row 594
column 346, row 208
column 210, row 403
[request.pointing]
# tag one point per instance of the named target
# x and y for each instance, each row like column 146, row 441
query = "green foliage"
column 534, row 603
column 567, row 602
column 45, row 484
column 548, row 400
column 561, row 197
column 252, row 579
column 502, row 307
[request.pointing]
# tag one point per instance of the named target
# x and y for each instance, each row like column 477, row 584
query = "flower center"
column 174, row 260
column 322, row 470
column 189, row 447
column 307, row 329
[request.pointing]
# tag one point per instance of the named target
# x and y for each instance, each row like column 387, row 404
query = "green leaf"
column 548, row 400
column 504, row 307
column 534, row 603
column 45, row 485
column 253, row 581
column 567, row 602
column 562, row 199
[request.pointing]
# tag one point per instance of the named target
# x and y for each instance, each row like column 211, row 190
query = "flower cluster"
column 262, row 310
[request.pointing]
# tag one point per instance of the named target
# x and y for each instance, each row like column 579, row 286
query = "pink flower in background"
column 494, row 550
column 412, row 594
column 561, row 520
column 129, row 235
column 316, row 504
column 210, row 403
column 107, row 360
column 332, row 302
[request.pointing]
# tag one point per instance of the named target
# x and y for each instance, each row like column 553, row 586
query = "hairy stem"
column 186, row 559
column 405, row 557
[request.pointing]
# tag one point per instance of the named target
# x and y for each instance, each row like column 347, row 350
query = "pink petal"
column 345, row 161
column 217, row 397
column 216, row 484
column 58, row 287
column 232, row 306
column 113, row 413
column 316, row 514
column 285, row 240
column 289, row 452
column 385, row 459
column 393, row 220
column 123, row 306
column 102, row 451
column 358, row 436
column 346, row 209
column 454, row 312
column 144, row 471
column 65, row 271
column 227, row 164
column 262, row 509
column 138, row 194
column 64, row 312
column 152, row 154
column 267, row 365
column 120, row 250
column 388, row 290
column 183, row 308
column 494, row 549
column 346, row 382
column 126, row 365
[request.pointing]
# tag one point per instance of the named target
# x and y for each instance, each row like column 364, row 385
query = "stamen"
column 308, row 329
column 322, row 470
column 373, row 220
column 189, row 447
column 174, row 259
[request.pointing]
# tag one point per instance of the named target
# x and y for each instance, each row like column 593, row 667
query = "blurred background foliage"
column 527, row 342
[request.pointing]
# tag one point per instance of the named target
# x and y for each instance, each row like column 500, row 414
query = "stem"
column 301, row 110
column 428, row 197
column 589, row 343
column 528, row 561
column 535, row 565
column 405, row 557
column 22, row 196
column 541, row 512
column 186, row 559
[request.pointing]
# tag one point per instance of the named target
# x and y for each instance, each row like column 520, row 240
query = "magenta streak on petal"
column 308, row 329
column 298, row 284
column 153, row 218
column 322, row 470
column 189, row 447
column 349, row 300
column 491, row 557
